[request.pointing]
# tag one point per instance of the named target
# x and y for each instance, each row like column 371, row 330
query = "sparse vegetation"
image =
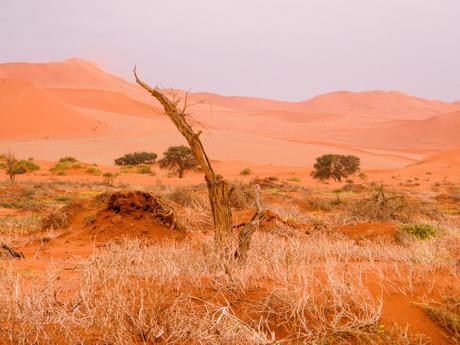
column 14, row 167
column 137, row 158
column 447, row 315
column 245, row 172
column 382, row 205
column 421, row 231
column 179, row 158
column 144, row 169
column 335, row 167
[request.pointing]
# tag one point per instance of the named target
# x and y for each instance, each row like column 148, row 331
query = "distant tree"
column 180, row 158
column 136, row 158
column 12, row 167
column 335, row 167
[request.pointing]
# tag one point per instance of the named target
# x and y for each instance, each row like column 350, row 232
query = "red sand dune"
column 449, row 157
column 427, row 135
column 374, row 104
column 29, row 112
column 387, row 129
column 72, row 74
column 115, row 102
column 390, row 105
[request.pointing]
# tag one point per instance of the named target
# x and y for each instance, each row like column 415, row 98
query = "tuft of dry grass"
column 447, row 315
column 17, row 226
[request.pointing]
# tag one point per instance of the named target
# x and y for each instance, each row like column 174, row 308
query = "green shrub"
column 179, row 158
column 136, row 158
column 335, row 167
column 28, row 165
column 93, row 170
column 144, row 169
column 68, row 160
column 62, row 198
column 294, row 179
column 64, row 164
column 421, row 231
column 245, row 172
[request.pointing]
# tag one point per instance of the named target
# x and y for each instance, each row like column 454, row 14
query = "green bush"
column 65, row 164
column 93, row 170
column 144, row 169
column 28, row 165
column 335, row 167
column 421, row 231
column 245, row 172
column 68, row 160
column 137, row 158
column 179, row 158
column 294, row 179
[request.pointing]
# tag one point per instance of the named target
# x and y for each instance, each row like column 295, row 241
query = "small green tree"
column 12, row 167
column 180, row 158
column 136, row 158
column 335, row 167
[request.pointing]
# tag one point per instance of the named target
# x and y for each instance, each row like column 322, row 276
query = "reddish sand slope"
column 115, row 102
column 427, row 135
column 390, row 105
column 373, row 104
column 72, row 74
column 74, row 98
column 28, row 112
column 245, row 103
column 449, row 157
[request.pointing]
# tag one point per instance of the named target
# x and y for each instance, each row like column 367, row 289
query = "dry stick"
column 10, row 251
column 218, row 190
column 245, row 235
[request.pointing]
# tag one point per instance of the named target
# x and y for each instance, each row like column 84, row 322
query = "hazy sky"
column 284, row 49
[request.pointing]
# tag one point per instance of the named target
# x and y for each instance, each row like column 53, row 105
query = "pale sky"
column 282, row 49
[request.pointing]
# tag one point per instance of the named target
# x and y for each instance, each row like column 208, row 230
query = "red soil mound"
column 29, row 112
column 111, row 216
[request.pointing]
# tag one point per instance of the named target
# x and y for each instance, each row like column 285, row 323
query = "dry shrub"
column 57, row 218
column 447, row 315
column 194, row 197
column 193, row 212
column 20, row 225
column 242, row 195
column 382, row 206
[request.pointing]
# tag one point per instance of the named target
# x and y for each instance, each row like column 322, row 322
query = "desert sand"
column 97, row 253
column 102, row 116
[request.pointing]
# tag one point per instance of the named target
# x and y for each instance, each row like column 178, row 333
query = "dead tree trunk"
column 218, row 189
column 219, row 195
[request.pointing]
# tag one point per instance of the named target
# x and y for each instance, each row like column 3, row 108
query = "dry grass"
column 321, row 288
column 20, row 225
column 382, row 205
column 447, row 315
column 301, row 289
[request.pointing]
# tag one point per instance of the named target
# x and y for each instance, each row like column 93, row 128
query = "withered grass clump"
column 382, row 206
column 242, row 195
column 194, row 197
column 447, row 315
column 20, row 225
